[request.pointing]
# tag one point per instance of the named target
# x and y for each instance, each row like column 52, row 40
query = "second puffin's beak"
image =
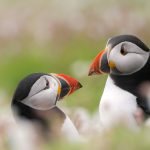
column 68, row 85
column 96, row 64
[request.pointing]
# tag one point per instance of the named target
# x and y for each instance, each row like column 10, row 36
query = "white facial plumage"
column 127, row 57
column 43, row 94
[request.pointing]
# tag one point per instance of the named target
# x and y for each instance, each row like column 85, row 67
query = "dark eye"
column 47, row 84
column 123, row 50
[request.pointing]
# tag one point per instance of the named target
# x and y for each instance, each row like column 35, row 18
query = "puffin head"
column 123, row 55
column 42, row 91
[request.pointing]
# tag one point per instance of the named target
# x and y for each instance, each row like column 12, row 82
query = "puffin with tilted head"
column 35, row 101
column 127, row 61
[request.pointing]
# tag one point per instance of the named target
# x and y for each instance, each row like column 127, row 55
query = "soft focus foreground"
column 63, row 37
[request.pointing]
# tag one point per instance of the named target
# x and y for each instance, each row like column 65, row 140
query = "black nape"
column 129, row 38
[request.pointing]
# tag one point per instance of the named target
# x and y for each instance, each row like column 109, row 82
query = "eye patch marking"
column 47, row 84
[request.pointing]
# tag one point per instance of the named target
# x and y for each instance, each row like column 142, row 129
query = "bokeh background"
column 63, row 37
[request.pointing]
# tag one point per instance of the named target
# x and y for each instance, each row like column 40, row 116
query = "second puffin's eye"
column 123, row 51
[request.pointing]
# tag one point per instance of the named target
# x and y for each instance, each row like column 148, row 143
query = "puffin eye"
column 123, row 51
column 47, row 84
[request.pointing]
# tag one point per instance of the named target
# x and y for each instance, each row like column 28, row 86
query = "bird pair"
column 127, row 61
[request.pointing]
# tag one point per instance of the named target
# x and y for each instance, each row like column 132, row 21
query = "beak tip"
column 79, row 85
column 91, row 72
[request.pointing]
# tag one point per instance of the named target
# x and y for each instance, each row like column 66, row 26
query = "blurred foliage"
column 50, row 36
column 58, row 59
column 117, row 139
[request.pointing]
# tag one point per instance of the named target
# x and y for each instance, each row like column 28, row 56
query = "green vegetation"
column 58, row 59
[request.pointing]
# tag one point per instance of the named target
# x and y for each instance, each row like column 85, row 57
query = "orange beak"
column 68, row 85
column 96, row 64
column 73, row 83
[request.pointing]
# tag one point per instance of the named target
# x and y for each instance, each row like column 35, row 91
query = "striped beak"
column 100, row 64
column 68, row 85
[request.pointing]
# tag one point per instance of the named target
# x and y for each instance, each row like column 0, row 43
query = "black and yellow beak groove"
column 68, row 85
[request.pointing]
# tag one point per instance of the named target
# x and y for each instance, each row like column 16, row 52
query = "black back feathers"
column 112, row 42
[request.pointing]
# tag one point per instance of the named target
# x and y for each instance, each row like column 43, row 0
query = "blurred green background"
column 64, row 37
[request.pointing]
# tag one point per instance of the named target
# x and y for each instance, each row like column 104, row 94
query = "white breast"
column 117, row 106
column 69, row 131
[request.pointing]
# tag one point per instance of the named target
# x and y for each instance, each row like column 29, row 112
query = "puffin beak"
column 68, row 85
column 96, row 64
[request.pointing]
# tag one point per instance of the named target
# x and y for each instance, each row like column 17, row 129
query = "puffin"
column 126, row 60
column 35, row 99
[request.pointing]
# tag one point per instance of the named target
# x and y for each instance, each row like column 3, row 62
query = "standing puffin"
column 35, row 101
column 127, row 61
